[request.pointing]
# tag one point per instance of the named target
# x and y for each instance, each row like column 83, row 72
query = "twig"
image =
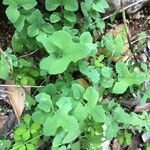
column 139, row 39
column 126, row 30
column 26, row 86
column 136, row 50
column 29, row 54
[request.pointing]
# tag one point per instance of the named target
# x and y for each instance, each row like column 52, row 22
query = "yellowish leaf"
column 16, row 96
column 83, row 83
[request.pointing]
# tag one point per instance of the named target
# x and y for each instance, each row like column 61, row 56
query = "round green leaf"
column 12, row 14
column 70, row 5
column 51, row 4
column 69, row 16
column 55, row 17
column 71, row 52
column 33, row 30
column 26, row 135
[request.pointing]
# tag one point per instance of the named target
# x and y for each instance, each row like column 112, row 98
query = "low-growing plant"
column 68, row 113
column 27, row 135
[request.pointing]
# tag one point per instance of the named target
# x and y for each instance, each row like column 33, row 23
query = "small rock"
column 145, row 137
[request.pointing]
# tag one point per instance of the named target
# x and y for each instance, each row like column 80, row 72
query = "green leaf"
column 19, row 24
column 58, row 139
column 98, row 114
column 126, row 78
column 27, row 119
column 12, row 14
column 69, row 16
column 9, row 2
column 5, row 144
column 92, row 96
column 55, row 17
column 100, row 5
column 64, row 104
column 101, row 25
column 26, row 135
column 75, row 146
column 50, row 89
column 80, row 109
column 20, row 130
column 50, row 126
column 22, row 147
column 120, row 87
column 106, row 72
column 121, row 116
column 114, row 45
column 62, row 54
column 30, row 147
column 48, row 28
column 4, row 68
column 27, row 4
column 44, row 107
column 33, row 30
column 90, row 72
column 78, row 91
column 67, row 122
column 86, row 37
column 35, row 127
column 45, row 102
column 86, row 7
column 62, row 148
column 40, row 116
column 107, row 83
column 51, row 4
column 70, row 5
column 33, row 19
column 112, row 131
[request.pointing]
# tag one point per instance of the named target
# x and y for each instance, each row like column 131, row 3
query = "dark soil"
column 6, row 29
column 140, row 21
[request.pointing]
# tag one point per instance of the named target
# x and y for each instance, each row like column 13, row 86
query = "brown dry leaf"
column 116, row 145
column 16, row 96
column 83, row 83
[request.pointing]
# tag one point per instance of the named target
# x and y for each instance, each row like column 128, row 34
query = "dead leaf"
column 116, row 145
column 16, row 96
column 83, row 83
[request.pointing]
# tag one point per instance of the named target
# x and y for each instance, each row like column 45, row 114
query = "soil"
column 6, row 29
column 140, row 22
